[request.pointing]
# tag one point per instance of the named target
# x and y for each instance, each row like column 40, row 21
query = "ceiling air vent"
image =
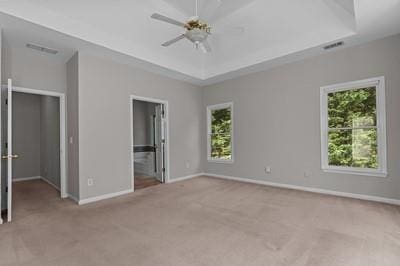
column 333, row 45
column 41, row 48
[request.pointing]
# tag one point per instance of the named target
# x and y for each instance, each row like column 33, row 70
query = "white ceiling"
column 248, row 35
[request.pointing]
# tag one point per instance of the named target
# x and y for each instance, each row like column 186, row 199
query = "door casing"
column 62, row 106
column 166, row 145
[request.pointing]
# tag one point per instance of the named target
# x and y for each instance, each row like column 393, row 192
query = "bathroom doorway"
column 149, row 142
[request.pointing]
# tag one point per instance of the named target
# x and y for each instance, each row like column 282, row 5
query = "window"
column 353, row 131
column 220, row 133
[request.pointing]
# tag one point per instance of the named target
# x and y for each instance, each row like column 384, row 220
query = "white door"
column 160, row 143
column 6, row 148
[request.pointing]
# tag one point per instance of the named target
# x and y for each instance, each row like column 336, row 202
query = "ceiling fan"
column 197, row 31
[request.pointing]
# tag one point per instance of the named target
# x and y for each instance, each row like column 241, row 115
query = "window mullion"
column 351, row 128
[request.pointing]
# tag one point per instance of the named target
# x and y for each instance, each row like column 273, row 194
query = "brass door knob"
column 9, row 156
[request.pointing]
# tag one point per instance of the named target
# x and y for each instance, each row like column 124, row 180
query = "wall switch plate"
column 71, row 140
column 187, row 165
column 90, row 182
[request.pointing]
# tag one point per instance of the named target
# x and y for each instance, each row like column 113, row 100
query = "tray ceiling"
column 247, row 35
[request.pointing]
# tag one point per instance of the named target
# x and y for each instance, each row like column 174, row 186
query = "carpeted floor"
column 202, row 221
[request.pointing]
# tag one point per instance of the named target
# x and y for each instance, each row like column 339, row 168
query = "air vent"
column 41, row 48
column 333, row 45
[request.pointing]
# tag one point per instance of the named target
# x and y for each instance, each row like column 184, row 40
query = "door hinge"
column 163, row 141
column 163, row 169
column 6, row 189
column 6, row 101
column 6, row 145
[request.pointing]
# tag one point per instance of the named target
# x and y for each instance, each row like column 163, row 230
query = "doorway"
column 32, row 148
column 149, row 123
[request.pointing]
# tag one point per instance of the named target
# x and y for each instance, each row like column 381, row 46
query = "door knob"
column 9, row 156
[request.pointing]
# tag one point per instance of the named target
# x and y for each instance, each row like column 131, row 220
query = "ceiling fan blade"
column 174, row 40
column 167, row 20
column 206, row 47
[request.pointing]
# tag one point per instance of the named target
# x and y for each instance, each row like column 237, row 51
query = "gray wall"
column 277, row 121
column 32, row 69
column 73, row 126
column 104, row 123
column 26, row 134
column 50, row 139
column 142, row 112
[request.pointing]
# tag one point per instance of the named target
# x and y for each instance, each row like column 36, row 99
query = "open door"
column 6, row 148
column 160, row 142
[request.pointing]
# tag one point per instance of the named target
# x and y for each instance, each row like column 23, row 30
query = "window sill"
column 220, row 161
column 355, row 172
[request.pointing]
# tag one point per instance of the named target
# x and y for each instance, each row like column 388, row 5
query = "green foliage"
column 352, row 137
column 221, row 134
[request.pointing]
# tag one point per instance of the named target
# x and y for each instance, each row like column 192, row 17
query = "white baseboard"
column 103, row 197
column 116, row 194
column 184, row 178
column 21, row 179
column 309, row 189
column 50, row 183
column 35, row 178
column 73, row 198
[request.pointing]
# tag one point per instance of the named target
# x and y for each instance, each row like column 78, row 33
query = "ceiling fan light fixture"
column 197, row 35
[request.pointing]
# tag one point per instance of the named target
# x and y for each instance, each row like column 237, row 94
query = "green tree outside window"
column 352, row 128
column 221, row 139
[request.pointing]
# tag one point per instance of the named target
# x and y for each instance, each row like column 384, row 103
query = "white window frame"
column 209, row 114
column 379, row 83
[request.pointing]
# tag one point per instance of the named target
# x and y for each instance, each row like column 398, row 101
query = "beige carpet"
column 202, row 221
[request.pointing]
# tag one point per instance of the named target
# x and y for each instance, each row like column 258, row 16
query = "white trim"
column 1, row 141
column 167, row 149
column 212, row 108
column 103, row 197
column 22, row 179
column 178, row 179
column 50, row 183
column 9, row 150
column 62, row 106
column 379, row 83
column 73, row 198
column 309, row 189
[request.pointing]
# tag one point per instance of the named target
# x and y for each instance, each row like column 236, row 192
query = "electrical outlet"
column 71, row 140
column 90, row 182
column 187, row 165
column 267, row 169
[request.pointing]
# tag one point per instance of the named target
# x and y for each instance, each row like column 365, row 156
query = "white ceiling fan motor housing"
column 197, row 35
